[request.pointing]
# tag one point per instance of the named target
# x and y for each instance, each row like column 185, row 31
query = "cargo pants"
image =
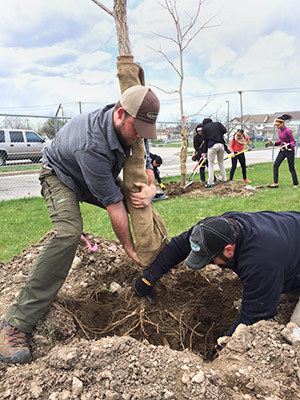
column 51, row 267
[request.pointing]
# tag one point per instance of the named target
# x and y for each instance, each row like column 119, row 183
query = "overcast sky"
column 64, row 51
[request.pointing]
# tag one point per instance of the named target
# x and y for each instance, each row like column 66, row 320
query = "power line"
column 165, row 101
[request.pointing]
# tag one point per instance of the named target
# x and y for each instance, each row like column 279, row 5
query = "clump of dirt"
column 197, row 189
column 99, row 341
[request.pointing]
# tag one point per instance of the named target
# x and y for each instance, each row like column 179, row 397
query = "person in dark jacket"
column 213, row 135
column 156, row 162
column 262, row 248
column 199, row 149
column 82, row 163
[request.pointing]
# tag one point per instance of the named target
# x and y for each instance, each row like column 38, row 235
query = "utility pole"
column 80, row 109
column 241, row 105
column 227, row 101
column 57, row 111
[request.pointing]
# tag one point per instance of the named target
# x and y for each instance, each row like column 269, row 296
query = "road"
column 27, row 184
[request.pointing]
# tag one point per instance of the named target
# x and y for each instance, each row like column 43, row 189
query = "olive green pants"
column 51, row 268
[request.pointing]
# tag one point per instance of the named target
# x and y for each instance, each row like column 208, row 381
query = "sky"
column 64, row 52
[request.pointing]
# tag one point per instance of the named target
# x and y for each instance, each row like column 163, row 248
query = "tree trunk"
column 120, row 17
column 147, row 225
column 183, row 151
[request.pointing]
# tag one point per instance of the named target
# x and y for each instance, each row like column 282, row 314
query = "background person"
column 82, row 163
column 262, row 248
column 156, row 162
column 237, row 144
column 213, row 135
column 287, row 150
column 199, row 146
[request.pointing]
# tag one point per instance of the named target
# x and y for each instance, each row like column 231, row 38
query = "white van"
column 20, row 144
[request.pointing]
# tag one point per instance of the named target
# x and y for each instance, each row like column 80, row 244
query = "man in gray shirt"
column 82, row 163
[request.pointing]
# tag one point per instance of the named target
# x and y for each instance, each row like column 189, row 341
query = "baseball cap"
column 208, row 238
column 143, row 105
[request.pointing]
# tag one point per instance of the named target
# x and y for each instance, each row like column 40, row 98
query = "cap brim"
column 196, row 260
column 144, row 129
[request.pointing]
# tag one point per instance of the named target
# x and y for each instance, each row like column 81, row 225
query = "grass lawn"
column 25, row 221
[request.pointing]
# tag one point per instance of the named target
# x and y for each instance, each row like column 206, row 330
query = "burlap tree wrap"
column 148, row 227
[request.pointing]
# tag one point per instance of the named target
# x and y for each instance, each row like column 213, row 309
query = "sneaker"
column 295, row 186
column 209, row 186
column 247, row 180
column 13, row 345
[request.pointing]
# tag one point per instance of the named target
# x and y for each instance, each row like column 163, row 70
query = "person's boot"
column 13, row 345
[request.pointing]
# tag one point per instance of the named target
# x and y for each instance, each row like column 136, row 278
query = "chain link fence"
column 22, row 138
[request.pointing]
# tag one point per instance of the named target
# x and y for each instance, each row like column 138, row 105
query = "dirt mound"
column 197, row 189
column 101, row 342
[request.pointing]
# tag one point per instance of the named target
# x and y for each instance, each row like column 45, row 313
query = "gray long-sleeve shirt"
column 86, row 156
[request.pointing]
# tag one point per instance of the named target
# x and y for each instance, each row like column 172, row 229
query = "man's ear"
column 121, row 113
column 229, row 250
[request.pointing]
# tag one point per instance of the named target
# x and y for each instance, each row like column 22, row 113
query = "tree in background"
column 51, row 126
column 185, row 33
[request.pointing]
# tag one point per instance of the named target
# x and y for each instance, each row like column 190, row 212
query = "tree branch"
column 103, row 7
column 167, row 58
column 163, row 90
column 208, row 100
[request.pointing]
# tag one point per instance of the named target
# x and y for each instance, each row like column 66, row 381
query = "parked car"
column 20, row 144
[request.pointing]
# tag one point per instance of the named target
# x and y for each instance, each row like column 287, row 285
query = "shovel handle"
column 240, row 152
column 197, row 164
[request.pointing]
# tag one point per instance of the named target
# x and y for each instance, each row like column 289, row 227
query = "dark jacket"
column 213, row 132
column 266, row 259
column 199, row 145
column 155, row 169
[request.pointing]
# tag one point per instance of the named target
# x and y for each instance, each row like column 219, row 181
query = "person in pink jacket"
column 237, row 144
column 287, row 150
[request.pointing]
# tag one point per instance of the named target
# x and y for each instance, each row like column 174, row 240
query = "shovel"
column 193, row 173
column 233, row 155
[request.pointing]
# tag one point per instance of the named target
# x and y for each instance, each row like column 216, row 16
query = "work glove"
column 286, row 146
column 250, row 147
column 162, row 186
column 143, row 287
column 194, row 156
column 204, row 155
column 221, row 343
column 269, row 144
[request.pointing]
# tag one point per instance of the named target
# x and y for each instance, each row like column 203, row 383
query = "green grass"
column 24, row 167
column 25, row 221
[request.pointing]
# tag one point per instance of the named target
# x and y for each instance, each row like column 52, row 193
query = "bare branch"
column 103, row 7
column 167, row 58
column 216, row 112
column 204, row 26
column 163, row 90
column 208, row 100
column 165, row 37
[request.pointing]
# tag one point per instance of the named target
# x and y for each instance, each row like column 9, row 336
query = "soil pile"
column 99, row 341
column 197, row 189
